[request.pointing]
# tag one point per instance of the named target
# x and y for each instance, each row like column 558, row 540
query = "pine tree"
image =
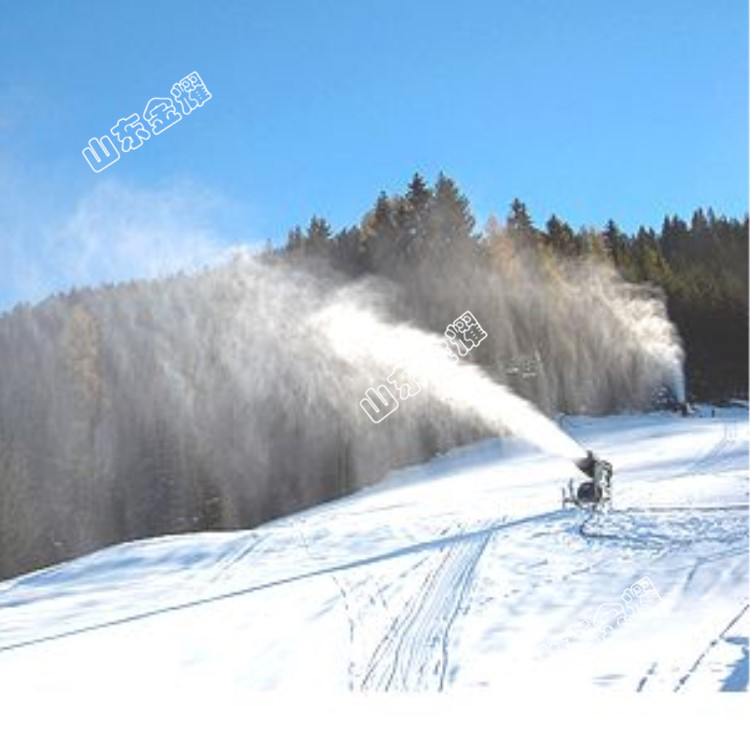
column 379, row 235
column 418, row 194
column 413, row 215
column 319, row 230
column 450, row 212
column 498, row 248
column 318, row 240
column 295, row 242
column 652, row 265
column 380, row 221
column 520, row 225
column 561, row 237
column 619, row 249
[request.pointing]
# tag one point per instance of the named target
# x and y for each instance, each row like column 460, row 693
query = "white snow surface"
column 460, row 574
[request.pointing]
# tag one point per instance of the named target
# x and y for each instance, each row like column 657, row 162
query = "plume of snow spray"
column 359, row 336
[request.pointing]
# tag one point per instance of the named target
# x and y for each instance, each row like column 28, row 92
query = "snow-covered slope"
column 462, row 573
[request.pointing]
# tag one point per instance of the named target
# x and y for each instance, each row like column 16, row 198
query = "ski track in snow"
column 462, row 573
column 413, row 653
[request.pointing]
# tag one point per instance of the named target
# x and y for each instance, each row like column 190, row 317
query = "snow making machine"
column 595, row 494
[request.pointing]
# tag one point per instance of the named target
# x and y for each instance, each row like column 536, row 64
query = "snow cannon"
column 597, row 492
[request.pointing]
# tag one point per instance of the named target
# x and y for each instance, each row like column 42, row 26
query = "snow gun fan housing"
column 599, row 489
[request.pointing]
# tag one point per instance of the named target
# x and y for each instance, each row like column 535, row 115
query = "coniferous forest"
column 700, row 263
column 204, row 401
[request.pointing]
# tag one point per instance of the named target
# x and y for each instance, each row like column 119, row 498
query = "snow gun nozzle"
column 587, row 464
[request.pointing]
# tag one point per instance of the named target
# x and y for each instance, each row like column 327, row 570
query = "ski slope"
column 463, row 573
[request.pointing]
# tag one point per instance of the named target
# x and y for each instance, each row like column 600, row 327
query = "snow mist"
column 229, row 397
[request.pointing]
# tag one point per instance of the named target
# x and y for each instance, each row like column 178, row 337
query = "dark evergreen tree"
column 418, row 194
column 451, row 216
column 561, row 236
column 520, row 226
column 652, row 265
column 295, row 242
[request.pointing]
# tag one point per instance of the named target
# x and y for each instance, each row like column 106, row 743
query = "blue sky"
column 588, row 109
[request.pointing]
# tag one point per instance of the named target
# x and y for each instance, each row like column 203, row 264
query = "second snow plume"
column 360, row 337
column 635, row 318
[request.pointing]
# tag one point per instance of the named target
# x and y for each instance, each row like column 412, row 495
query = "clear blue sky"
column 590, row 109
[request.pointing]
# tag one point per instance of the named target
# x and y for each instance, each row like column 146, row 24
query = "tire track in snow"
column 718, row 457
column 681, row 682
column 413, row 654
column 222, row 570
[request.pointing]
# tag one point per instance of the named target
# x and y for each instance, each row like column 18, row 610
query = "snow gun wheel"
column 596, row 494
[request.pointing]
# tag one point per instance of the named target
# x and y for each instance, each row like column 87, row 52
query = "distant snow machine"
column 596, row 494
column 665, row 400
